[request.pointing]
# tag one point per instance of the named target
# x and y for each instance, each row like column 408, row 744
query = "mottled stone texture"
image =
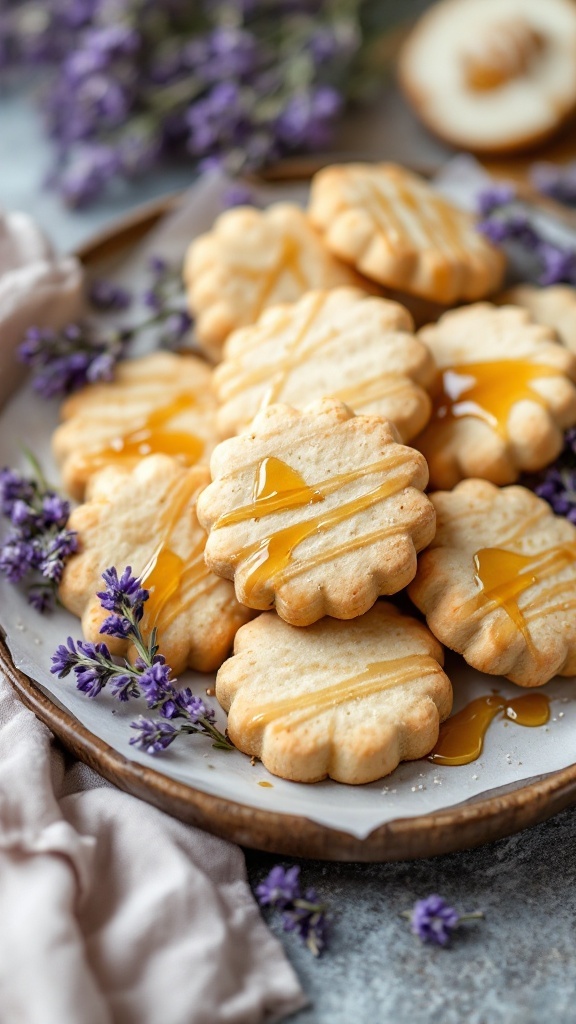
column 518, row 966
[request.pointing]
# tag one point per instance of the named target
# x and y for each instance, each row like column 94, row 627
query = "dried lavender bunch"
column 232, row 82
column 503, row 221
column 148, row 677
column 433, row 920
column 35, row 551
column 84, row 353
column 302, row 913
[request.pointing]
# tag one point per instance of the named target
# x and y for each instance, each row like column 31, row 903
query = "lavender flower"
column 40, row 543
column 303, row 914
column 148, row 677
column 216, row 79
column 237, row 194
column 106, row 295
column 556, row 181
column 433, row 920
column 85, row 353
column 505, row 223
column 557, row 483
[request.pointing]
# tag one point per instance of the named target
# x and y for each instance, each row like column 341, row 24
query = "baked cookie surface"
column 315, row 512
column 498, row 582
column 342, row 344
column 504, row 397
column 145, row 517
column 398, row 231
column 253, row 259
column 492, row 75
column 554, row 306
column 347, row 700
column 158, row 403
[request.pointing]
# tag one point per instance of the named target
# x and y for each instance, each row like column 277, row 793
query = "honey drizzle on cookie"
column 150, row 437
column 504, row 575
column 376, row 678
column 461, row 737
column 489, row 390
column 270, row 556
column 164, row 572
column 288, row 261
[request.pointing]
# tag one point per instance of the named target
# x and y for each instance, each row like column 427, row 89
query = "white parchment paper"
column 511, row 753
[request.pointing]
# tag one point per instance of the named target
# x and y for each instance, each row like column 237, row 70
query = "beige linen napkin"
column 111, row 912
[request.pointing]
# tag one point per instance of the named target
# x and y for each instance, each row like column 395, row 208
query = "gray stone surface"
column 516, row 967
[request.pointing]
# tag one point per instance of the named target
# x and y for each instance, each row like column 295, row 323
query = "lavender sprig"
column 503, row 222
column 433, row 920
column 39, row 544
column 301, row 912
column 149, row 677
column 84, row 353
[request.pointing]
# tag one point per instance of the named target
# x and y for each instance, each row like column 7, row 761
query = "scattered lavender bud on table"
column 557, row 483
column 556, row 181
column 148, row 677
column 433, row 920
column 301, row 912
column 108, row 296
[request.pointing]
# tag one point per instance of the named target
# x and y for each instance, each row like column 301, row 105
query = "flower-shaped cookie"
column 316, row 512
column 398, row 231
column 341, row 344
column 348, row 700
column 498, row 582
column 492, row 75
column 555, row 307
column 159, row 403
column 145, row 517
column 253, row 259
column 504, row 396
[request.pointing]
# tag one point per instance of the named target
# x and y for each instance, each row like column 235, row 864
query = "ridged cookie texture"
column 498, row 582
column 316, row 512
column 252, row 259
column 504, row 397
column 554, row 306
column 398, row 231
column 145, row 518
column 341, row 344
column 347, row 700
column 157, row 403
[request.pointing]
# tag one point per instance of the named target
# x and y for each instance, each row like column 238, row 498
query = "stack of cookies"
column 323, row 424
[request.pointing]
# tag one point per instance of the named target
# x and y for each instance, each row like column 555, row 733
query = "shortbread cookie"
column 348, row 700
column 253, row 259
column 341, row 344
column 505, row 395
column 398, row 231
column 555, row 307
column 145, row 518
column 498, row 582
column 159, row 403
column 316, row 512
column 492, row 75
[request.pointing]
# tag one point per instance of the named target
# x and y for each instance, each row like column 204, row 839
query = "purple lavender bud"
column 14, row 487
column 89, row 679
column 41, row 598
column 556, row 181
column 493, row 197
column 155, row 682
column 237, row 194
column 280, row 887
column 153, row 736
column 106, row 295
column 433, row 920
column 118, row 626
column 16, row 559
column 123, row 688
column 193, row 707
column 170, row 709
column 176, row 326
column 64, row 659
column 55, row 510
column 123, row 593
column 101, row 368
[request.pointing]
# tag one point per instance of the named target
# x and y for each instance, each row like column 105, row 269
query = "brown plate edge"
column 458, row 828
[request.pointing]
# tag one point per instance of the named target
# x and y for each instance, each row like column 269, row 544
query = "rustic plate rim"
column 460, row 827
